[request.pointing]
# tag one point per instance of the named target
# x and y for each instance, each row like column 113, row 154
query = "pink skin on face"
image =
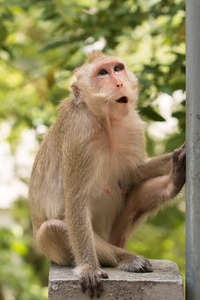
column 111, row 73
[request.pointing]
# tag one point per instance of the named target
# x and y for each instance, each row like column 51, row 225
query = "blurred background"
column 41, row 42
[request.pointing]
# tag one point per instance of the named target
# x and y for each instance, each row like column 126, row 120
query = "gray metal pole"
column 193, row 150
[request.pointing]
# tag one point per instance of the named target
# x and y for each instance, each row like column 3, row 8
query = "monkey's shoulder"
column 75, row 120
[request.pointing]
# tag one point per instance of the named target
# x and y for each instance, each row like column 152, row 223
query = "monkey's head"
column 105, row 85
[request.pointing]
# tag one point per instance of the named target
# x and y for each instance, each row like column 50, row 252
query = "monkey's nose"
column 119, row 84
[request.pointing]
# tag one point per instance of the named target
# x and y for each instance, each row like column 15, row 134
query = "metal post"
column 193, row 150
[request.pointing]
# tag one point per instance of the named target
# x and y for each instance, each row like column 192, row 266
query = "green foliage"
column 20, row 261
column 167, row 241
column 47, row 41
column 41, row 42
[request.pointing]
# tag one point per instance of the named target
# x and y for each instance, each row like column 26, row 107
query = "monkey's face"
column 111, row 79
column 108, row 87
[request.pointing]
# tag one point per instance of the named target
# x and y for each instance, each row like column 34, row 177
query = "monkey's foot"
column 178, row 173
column 90, row 281
column 135, row 263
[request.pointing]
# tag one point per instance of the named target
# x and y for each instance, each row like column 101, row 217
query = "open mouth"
column 122, row 100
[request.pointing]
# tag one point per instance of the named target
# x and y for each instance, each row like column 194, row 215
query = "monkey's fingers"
column 91, row 282
column 183, row 146
column 178, row 174
column 103, row 274
column 141, row 265
column 146, row 266
column 135, row 263
column 179, row 156
column 96, row 286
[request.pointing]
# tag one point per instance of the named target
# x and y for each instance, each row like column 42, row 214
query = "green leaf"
column 60, row 43
column 19, row 247
column 3, row 33
column 8, row 50
column 151, row 114
column 179, row 114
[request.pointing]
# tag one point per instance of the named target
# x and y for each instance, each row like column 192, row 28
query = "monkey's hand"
column 178, row 173
column 134, row 263
column 90, row 280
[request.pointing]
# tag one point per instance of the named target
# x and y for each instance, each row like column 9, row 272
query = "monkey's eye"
column 119, row 68
column 102, row 72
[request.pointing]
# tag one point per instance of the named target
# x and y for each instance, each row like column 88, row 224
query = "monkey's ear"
column 75, row 89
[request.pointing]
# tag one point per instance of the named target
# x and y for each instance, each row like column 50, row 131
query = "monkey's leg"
column 110, row 255
column 52, row 239
column 149, row 196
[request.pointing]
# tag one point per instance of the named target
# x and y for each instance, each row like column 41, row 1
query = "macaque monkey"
column 92, row 183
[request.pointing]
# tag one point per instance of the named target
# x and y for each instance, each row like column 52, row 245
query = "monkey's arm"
column 78, row 176
column 149, row 196
column 155, row 166
column 158, row 166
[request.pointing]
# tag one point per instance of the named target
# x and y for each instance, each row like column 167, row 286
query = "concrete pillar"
column 193, row 150
column 165, row 282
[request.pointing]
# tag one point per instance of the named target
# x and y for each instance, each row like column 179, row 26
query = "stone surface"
column 164, row 283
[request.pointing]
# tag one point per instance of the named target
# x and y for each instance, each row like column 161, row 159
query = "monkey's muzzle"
column 122, row 100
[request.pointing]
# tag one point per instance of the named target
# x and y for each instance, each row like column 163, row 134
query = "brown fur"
column 95, row 144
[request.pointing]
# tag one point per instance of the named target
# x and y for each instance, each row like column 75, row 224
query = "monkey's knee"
column 52, row 240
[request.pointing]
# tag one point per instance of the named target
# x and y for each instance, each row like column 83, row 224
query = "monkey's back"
column 46, row 182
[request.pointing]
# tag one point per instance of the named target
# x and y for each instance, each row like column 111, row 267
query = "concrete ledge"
column 165, row 282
